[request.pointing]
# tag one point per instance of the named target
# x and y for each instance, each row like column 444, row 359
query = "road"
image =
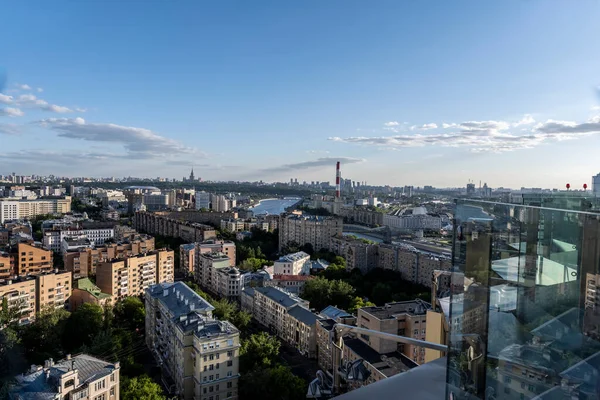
column 428, row 247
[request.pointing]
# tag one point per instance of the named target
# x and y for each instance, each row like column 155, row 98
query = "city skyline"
column 401, row 94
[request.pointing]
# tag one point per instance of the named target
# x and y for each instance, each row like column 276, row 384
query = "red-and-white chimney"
column 337, row 180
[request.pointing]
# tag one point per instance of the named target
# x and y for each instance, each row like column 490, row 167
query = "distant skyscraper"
column 192, row 178
column 596, row 185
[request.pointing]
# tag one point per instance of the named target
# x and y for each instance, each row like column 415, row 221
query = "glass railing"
column 524, row 322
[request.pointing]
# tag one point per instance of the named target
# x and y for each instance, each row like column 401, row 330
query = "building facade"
column 188, row 343
column 29, row 259
column 131, row 276
column 160, row 223
column 11, row 209
column 302, row 229
column 407, row 318
column 291, row 264
column 85, row 291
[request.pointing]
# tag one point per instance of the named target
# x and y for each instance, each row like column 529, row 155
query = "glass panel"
column 524, row 308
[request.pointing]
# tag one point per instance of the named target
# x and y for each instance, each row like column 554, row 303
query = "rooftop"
column 388, row 364
column 215, row 255
column 334, row 312
column 327, row 324
column 303, row 315
column 179, row 298
column 293, row 257
column 204, row 327
column 88, row 286
column 35, row 386
column 415, row 307
column 279, row 296
column 296, row 278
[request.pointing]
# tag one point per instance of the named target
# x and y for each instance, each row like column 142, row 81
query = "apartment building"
column 85, row 291
column 187, row 225
column 53, row 290
column 11, row 209
column 358, row 254
column 6, row 265
column 80, row 377
column 406, row 318
column 20, row 295
column 131, row 276
column 226, row 247
column 303, row 229
column 214, row 273
column 28, row 295
column 287, row 315
column 97, row 233
column 290, row 283
column 189, row 343
column 291, row 264
column 29, row 259
column 187, row 258
column 83, row 262
column 240, row 225
column 592, row 305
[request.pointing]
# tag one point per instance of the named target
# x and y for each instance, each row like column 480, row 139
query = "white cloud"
column 526, row 120
column 391, row 123
column 426, row 127
column 446, row 126
column 6, row 99
column 317, row 151
column 485, row 136
column 10, row 129
column 138, row 142
column 40, row 90
column 319, row 162
column 11, row 112
column 24, row 87
column 30, row 100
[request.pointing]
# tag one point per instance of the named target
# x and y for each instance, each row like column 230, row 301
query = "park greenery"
column 262, row 375
column 110, row 333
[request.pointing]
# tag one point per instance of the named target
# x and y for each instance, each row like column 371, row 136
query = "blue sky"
column 402, row 92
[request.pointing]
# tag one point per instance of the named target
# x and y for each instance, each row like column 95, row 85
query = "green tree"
column 241, row 320
column 43, row 337
column 259, row 350
column 130, row 313
column 318, row 292
column 224, row 309
column 341, row 294
column 277, row 383
column 381, row 293
column 358, row 302
column 82, row 326
column 140, row 388
column 254, row 264
column 335, row 271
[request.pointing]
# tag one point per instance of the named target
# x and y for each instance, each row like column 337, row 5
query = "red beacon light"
column 568, row 186
column 585, row 186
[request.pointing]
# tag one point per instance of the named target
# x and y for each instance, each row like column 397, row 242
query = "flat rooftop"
column 415, row 307
column 388, row 364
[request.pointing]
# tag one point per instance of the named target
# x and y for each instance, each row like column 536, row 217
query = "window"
column 112, row 377
column 229, row 363
column 217, row 356
column 229, row 385
column 211, row 389
column 507, row 379
column 211, row 378
column 416, row 332
column 229, row 373
column 230, row 342
column 229, row 394
column 531, row 388
column 204, row 379
column 217, row 364
column 217, row 388
column 205, row 390
column 205, row 368
column 229, row 353
column 205, row 358
column 112, row 391
column 217, row 376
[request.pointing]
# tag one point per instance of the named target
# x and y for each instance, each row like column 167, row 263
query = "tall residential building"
column 202, row 200
column 198, row 354
column 80, row 377
column 226, row 247
column 159, row 224
column 291, row 264
column 406, row 318
column 132, row 275
column 83, row 262
column 596, row 185
column 28, row 295
column 11, row 209
column 303, row 229
column 29, row 259
column 214, row 273
column 187, row 258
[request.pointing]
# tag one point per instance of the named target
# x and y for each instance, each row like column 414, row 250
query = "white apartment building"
column 202, row 200
column 199, row 355
column 53, row 238
column 81, row 377
column 11, row 209
column 413, row 222
column 291, row 264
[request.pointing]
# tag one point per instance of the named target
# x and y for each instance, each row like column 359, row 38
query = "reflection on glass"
column 525, row 303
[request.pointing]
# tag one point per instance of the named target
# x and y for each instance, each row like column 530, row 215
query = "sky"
column 401, row 92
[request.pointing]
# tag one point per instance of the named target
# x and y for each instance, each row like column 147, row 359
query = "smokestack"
column 337, row 180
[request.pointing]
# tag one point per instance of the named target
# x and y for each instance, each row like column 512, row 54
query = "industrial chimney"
column 337, row 180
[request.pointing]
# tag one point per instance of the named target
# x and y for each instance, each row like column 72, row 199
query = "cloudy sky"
column 401, row 92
